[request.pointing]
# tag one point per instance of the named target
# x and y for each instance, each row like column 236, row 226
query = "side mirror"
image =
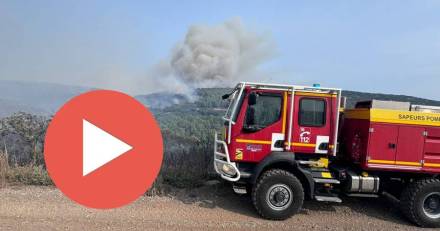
column 249, row 125
column 252, row 99
column 225, row 96
column 250, row 116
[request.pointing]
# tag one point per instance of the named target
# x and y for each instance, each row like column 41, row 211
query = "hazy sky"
column 376, row 46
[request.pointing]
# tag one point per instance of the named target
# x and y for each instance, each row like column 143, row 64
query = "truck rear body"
column 392, row 140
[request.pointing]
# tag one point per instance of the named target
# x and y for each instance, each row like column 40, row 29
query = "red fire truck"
column 283, row 144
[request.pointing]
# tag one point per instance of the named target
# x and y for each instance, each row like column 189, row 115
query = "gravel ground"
column 208, row 208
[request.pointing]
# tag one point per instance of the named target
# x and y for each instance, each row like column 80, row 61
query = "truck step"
column 328, row 199
column 245, row 174
column 326, row 181
column 362, row 195
column 239, row 189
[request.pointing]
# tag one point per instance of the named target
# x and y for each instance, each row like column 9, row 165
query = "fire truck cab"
column 284, row 143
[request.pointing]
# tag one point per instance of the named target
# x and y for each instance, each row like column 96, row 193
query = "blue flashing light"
column 316, row 85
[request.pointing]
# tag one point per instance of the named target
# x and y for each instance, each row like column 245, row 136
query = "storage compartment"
column 383, row 144
column 432, row 150
column 411, row 142
column 396, row 146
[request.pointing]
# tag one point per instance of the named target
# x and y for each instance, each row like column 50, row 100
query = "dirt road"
column 207, row 208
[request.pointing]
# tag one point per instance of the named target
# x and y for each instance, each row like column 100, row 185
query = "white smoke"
column 214, row 56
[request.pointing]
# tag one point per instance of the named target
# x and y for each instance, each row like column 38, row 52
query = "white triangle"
column 99, row 147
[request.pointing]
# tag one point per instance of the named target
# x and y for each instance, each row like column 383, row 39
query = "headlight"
column 229, row 169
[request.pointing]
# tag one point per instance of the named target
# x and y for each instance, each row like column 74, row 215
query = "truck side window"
column 265, row 112
column 312, row 112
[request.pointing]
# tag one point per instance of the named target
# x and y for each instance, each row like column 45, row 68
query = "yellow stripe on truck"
column 253, row 141
column 299, row 93
column 270, row 142
column 408, row 163
column 304, row 145
column 392, row 162
column 394, row 116
column 431, row 165
column 381, row 161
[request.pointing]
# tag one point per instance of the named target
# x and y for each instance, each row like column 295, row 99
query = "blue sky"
column 375, row 46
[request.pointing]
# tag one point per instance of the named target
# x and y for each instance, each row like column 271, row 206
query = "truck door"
column 259, row 127
column 410, row 145
column 312, row 123
column 382, row 145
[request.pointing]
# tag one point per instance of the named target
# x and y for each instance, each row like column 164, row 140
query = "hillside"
column 45, row 98
column 161, row 100
column 34, row 97
column 210, row 98
column 8, row 107
column 355, row 96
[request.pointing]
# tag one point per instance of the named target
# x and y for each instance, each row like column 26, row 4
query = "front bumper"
column 222, row 163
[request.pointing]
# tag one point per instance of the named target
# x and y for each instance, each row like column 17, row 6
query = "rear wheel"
column 420, row 202
column 277, row 195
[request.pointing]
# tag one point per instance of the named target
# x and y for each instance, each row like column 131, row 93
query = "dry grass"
column 29, row 175
column 157, row 189
column 4, row 166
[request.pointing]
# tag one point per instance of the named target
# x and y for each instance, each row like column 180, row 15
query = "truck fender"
column 286, row 161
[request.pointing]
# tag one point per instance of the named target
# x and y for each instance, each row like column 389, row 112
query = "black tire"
column 413, row 202
column 278, row 183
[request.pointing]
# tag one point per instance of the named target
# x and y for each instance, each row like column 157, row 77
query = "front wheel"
column 420, row 202
column 277, row 195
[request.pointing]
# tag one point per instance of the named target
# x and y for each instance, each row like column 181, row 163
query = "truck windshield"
column 234, row 100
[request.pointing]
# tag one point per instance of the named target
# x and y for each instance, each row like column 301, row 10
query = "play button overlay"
column 103, row 149
column 99, row 147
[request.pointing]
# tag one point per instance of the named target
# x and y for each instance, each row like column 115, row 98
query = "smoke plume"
column 215, row 56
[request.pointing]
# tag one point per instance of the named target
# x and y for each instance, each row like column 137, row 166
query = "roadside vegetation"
column 21, row 150
column 187, row 130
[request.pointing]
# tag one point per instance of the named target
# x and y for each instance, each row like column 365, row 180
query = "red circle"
column 123, row 179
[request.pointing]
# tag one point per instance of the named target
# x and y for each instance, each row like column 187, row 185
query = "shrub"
column 30, row 175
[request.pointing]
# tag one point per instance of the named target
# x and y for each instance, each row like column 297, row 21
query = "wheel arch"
column 285, row 161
